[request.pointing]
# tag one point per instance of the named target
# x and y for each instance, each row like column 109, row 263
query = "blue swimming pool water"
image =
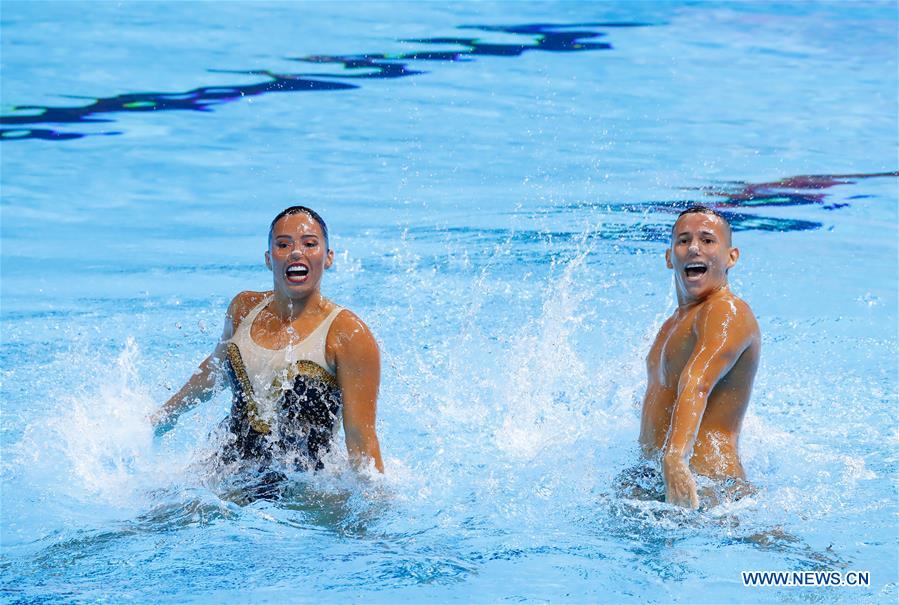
column 499, row 220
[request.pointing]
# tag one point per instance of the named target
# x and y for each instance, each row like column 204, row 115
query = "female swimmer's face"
column 297, row 255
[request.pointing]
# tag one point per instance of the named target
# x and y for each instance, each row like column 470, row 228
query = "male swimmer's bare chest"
column 678, row 343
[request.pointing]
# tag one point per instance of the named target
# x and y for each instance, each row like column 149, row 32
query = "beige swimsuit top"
column 267, row 368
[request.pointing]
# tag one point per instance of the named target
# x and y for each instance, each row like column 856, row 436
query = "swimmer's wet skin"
column 702, row 363
column 313, row 362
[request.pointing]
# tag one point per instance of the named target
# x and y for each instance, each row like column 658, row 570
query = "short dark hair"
column 297, row 210
column 699, row 209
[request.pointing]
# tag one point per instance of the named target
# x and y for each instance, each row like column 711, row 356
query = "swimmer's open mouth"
column 695, row 269
column 297, row 273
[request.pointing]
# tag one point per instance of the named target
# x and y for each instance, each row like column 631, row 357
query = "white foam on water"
column 542, row 387
column 95, row 443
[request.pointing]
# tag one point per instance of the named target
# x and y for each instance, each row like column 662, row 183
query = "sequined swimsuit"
column 286, row 402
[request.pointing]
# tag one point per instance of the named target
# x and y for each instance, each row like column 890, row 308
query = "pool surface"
column 499, row 181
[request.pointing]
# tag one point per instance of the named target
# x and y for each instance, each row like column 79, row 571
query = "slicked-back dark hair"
column 698, row 209
column 298, row 210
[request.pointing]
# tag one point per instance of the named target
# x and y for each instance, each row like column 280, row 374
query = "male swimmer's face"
column 297, row 255
column 700, row 255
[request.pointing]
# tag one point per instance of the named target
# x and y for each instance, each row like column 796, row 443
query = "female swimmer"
column 297, row 362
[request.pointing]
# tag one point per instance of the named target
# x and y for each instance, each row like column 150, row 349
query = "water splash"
column 96, row 444
column 546, row 384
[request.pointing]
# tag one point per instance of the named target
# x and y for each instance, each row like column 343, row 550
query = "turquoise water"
column 499, row 199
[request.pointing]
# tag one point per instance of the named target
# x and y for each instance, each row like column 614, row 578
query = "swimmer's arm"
column 656, row 398
column 359, row 375
column 203, row 384
column 199, row 388
column 720, row 340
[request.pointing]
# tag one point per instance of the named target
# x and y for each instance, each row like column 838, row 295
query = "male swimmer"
column 702, row 364
column 297, row 362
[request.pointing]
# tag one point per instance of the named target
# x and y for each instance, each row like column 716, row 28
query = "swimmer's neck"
column 289, row 309
column 686, row 302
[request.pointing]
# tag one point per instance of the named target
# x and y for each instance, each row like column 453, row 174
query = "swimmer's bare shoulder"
column 240, row 307
column 730, row 316
column 352, row 349
column 346, row 326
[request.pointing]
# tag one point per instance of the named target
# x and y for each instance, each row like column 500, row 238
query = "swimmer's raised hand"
column 680, row 487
